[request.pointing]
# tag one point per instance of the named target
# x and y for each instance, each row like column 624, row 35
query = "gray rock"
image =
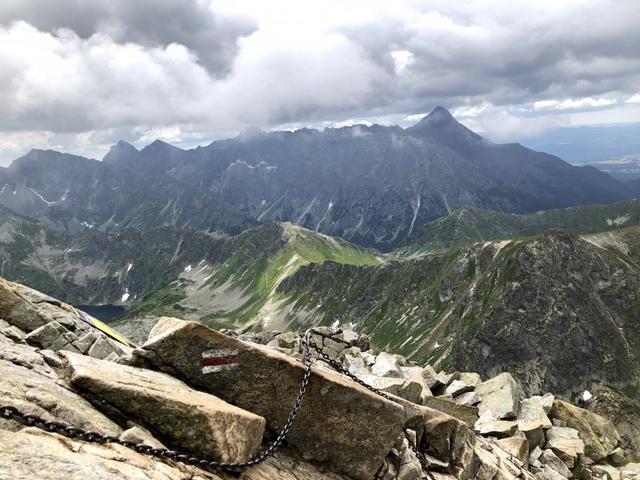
column 289, row 340
column 33, row 391
column 549, row 474
column 533, row 421
column 195, row 422
column 458, row 387
column 517, row 447
column 53, row 336
column 11, row 332
column 85, row 341
column 386, row 366
column 464, row 413
column 617, row 457
column 565, row 443
column 500, row 395
column 341, row 424
column 630, row 471
column 470, row 378
column 599, row 435
column 550, row 459
column 103, row 347
column 606, row 472
column 469, row 399
column 59, row 458
column 137, row 434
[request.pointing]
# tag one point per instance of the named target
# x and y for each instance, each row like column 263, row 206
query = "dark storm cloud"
column 88, row 71
column 151, row 23
column 508, row 52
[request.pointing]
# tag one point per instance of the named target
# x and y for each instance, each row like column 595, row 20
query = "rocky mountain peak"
column 121, row 152
column 441, row 126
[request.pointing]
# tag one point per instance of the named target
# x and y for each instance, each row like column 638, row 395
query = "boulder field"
column 225, row 397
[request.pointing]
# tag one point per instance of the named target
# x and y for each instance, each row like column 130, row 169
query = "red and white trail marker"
column 217, row 360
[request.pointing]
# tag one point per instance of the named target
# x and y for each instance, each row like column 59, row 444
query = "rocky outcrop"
column 198, row 422
column 355, row 430
column 598, row 434
column 28, row 454
column 199, row 391
column 624, row 413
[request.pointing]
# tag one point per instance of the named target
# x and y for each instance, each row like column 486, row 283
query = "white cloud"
column 573, row 104
column 83, row 74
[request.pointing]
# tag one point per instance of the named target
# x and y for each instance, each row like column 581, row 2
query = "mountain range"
column 467, row 273
column 371, row 185
column 484, row 302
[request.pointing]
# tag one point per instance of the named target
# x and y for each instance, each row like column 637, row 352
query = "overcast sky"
column 77, row 75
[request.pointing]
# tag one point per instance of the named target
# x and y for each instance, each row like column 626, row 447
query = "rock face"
column 200, row 423
column 498, row 306
column 598, row 434
column 623, row 413
column 26, row 455
column 355, row 430
column 343, row 431
column 411, row 175
column 47, row 323
column 566, row 444
column 500, row 396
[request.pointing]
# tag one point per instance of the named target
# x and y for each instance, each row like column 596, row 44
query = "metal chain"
column 12, row 413
column 426, row 467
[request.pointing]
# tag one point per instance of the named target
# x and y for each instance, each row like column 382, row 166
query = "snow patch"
column 324, row 217
column 619, row 220
column 187, row 268
column 415, row 214
column 129, row 267
column 125, row 295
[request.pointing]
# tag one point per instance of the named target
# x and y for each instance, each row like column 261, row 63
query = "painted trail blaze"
column 217, row 360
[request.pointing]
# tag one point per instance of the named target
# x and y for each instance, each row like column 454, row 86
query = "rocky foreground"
column 224, row 396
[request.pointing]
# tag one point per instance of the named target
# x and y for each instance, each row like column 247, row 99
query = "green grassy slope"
column 470, row 225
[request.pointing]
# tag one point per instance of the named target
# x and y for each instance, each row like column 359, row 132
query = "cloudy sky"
column 77, row 75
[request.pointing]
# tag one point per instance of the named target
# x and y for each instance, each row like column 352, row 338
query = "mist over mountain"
column 372, row 185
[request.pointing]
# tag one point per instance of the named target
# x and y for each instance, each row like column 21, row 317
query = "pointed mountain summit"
column 120, row 153
column 441, row 126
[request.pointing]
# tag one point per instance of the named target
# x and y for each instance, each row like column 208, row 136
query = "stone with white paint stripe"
column 342, row 425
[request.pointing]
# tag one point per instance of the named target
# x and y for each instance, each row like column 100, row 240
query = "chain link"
column 12, row 413
column 424, row 463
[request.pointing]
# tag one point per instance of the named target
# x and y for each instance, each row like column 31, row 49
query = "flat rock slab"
column 598, row 434
column 465, row 413
column 192, row 421
column 341, row 424
column 565, row 443
column 500, row 395
column 30, row 388
column 32, row 453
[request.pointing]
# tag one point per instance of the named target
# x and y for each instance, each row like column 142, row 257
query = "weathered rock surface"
column 623, row 413
column 517, row 447
column 340, row 424
column 565, row 443
column 34, row 392
column 31, row 454
column 598, row 434
column 532, row 420
column 195, row 422
column 551, row 460
column 500, row 395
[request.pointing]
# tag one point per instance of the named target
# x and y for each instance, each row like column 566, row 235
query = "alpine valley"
column 438, row 251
